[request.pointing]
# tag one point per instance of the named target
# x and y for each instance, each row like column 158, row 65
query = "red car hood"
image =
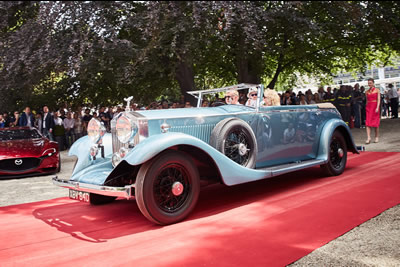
column 22, row 148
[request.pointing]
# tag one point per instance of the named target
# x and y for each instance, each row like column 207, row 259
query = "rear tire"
column 337, row 156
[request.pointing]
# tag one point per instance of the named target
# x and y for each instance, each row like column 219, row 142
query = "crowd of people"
column 350, row 101
column 354, row 104
column 63, row 126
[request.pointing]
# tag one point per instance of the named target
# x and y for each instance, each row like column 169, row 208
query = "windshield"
column 19, row 134
column 244, row 94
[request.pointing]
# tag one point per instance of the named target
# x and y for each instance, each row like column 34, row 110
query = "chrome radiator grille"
column 142, row 130
column 116, row 144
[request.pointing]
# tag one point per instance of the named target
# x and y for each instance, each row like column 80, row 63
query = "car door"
column 287, row 134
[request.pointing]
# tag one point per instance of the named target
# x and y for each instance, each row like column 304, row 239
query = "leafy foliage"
column 97, row 53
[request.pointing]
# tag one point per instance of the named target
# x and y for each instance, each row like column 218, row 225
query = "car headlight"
column 115, row 159
column 95, row 130
column 118, row 156
column 125, row 129
column 49, row 152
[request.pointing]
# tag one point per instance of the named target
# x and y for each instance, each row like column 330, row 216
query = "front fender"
column 81, row 149
column 231, row 172
column 326, row 135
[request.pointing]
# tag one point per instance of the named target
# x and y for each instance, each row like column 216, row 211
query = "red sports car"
column 24, row 151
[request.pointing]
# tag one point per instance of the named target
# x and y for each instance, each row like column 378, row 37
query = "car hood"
column 22, row 148
column 194, row 112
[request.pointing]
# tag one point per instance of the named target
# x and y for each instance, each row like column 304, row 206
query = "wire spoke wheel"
column 336, row 154
column 165, row 198
column 237, row 146
column 167, row 187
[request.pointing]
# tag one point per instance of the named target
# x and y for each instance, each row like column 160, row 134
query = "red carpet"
column 267, row 223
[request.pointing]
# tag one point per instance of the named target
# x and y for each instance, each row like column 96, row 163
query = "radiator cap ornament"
column 128, row 103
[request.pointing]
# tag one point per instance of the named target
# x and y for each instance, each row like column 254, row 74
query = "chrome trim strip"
column 125, row 192
column 201, row 115
column 291, row 167
column 291, row 110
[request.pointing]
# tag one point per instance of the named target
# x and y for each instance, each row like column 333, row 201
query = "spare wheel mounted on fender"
column 235, row 139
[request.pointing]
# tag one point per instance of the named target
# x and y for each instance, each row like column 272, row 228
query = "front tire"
column 167, row 187
column 337, row 157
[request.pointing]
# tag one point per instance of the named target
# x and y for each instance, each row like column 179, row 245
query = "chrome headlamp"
column 126, row 129
column 118, row 156
column 115, row 159
column 95, row 130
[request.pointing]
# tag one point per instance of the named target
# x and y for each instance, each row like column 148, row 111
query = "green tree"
column 99, row 52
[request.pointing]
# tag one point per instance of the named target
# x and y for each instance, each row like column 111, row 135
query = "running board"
column 290, row 167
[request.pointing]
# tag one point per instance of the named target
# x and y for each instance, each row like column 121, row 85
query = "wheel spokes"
column 334, row 154
column 163, row 188
column 234, row 140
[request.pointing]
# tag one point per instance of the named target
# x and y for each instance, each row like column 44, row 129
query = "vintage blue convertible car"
column 161, row 157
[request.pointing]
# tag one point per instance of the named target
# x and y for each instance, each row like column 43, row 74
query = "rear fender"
column 326, row 135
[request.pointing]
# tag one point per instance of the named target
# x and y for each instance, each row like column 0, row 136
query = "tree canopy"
column 90, row 53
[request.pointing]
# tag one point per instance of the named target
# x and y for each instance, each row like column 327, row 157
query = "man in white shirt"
column 69, row 123
column 48, row 123
column 394, row 101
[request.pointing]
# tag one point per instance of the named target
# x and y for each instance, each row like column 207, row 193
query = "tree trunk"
column 280, row 67
column 185, row 77
column 248, row 68
column 272, row 83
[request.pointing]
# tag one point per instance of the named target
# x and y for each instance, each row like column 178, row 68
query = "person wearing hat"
column 252, row 97
column 232, row 97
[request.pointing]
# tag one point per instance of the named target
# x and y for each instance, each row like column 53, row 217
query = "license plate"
column 78, row 195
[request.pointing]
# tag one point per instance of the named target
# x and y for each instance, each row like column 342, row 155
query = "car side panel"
column 231, row 172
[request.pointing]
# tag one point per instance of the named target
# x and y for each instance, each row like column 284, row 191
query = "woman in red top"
column 372, row 110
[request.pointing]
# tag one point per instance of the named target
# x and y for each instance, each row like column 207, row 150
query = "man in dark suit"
column 48, row 123
column 27, row 118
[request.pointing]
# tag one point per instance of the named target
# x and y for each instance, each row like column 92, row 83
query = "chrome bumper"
column 125, row 192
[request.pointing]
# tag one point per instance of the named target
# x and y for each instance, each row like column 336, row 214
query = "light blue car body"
column 192, row 127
